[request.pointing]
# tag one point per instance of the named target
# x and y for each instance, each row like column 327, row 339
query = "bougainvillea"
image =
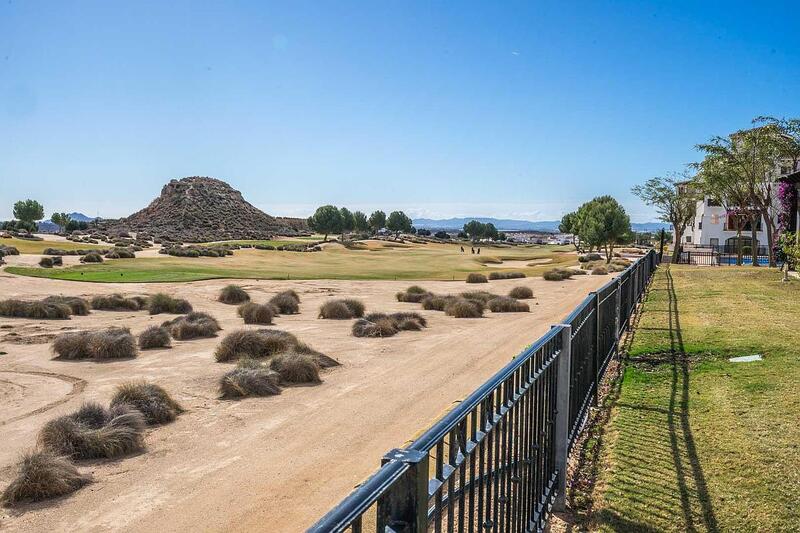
column 787, row 193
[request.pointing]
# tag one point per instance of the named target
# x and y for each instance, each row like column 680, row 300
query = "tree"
column 675, row 201
column 570, row 223
column 326, row 220
column 73, row 225
column 377, row 221
column 61, row 220
column 604, row 224
column 360, row 221
column 502, row 237
column 788, row 139
column 28, row 210
column 398, row 222
column 474, row 229
column 441, row 234
column 424, row 232
column 348, row 222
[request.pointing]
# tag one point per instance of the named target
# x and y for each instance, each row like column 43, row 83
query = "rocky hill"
column 201, row 209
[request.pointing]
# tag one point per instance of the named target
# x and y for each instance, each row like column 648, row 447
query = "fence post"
column 562, row 416
column 404, row 506
column 618, row 307
column 597, row 355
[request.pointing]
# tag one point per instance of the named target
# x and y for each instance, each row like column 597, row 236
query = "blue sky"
column 505, row 109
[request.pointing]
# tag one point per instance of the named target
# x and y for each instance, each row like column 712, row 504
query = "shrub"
column 377, row 327
column 42, row 475
column 155, row 404
column 254, row 344
column 117, row 302
column 475, row 277
column 34, row 309
column 436, row 302
column 463, row 308
column 506, row 304
column 416, row 289
column 57, row 261
column 593, row 256
column 254, row 313
column 402, row 317
column 583, row 259
column 599, row 271
column 521, row 293
column 557, row 274
column 77, row 306
column 94, row 432
column 92, row 257
column 164, row 303
column 478, row 296
column 578, row 272
column 356, row 307
column 154, row 337
column 46, row 262
column 111, row 343
column 286, row 302
column 296, row 368
column 233, row 294
column 506, row 275
column 341, row 309
column 194, row 325
column 249, row 380
column 413, row 294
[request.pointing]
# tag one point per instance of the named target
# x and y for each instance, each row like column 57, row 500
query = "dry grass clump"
column 92, row 257
column 255, row 344
column 164, row 303
column 94, row 432
column 42, row 475
column 46, row 262
column 154, row 337
column 34, row 309
column 479, row 296
column 475, row 277
column 77, row 306
column 295, row 367
column 599, row 271
column 506, row 304
column 342, row 309
column 463, row 308
column 254, row 313
column 506, row 275
column 155, row 404
column 521, row 293
column 249, row 378
column 437, row 302
column 111, row 343
column 378, row 327
column 286, row 302
column 194, row 325
column 558, row 274
column 233, row 294
column 118, row 302
column 413, row 294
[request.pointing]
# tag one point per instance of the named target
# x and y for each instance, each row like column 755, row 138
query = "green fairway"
column 37, row 247
column 695, row 442
column 372, row 260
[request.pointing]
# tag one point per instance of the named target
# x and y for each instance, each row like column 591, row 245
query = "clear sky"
column 504, row 109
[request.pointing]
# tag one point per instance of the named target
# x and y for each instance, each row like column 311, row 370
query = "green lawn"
column 695, row 442
column 375, row 260
column 36, row 247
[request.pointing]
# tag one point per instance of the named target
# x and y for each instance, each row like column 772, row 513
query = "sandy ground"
column 262, row 464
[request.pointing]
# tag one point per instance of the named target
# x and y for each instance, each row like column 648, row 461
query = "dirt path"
column 270, row 464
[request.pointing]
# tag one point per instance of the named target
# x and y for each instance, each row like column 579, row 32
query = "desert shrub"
column 42, row 475
column 57, row 261
column 578, row 272
column 194, row 325
column 413, row 294
column 521, row 293
column 117, row 302
column 377, row 327
column 506, row 304
column 249, row 379
column 155, row 404
column 409, row 317
column 296, row 368
column 341, row 309
column 254, row 344
column 254, row 313
column 94, row 432
column 416, row 289
column 77, row 306
column 616, row 267
column 557, row 274
column 287, row 302
column 34, row 309
column 463, row 308
column 111, row 343
column 599, row 271
column 593, row 256
column 46, row 262
column 506, row 275
column 154, row 337
column 583, row 259
column 164, row 303
column 356, row 307
column 233, row 294
column 475, row 277
column 9, row 250
column 92, row 257
column 436, row 302
column 478, row 296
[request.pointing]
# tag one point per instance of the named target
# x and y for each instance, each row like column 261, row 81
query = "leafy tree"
column 569, row 224
column 502, row 237
column 398, row 222
column 28, row 210
column 787, row 139
column 441, row 235
column 377, row 221
column 675, row 201
column 424, row 232
column 61, row 220
column 73, row 225
column 490, row 232
column 360, row 222
column 326, row 220
column 348, row 222
column 604, row 224
column 462, row 235
column 474, row 229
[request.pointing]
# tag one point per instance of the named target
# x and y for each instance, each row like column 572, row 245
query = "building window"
column 785, row 170
column 688, row 238
column 700, row 225
column 715, row 219
column 736, row 222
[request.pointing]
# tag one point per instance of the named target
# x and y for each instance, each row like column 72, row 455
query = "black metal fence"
column 497, row 462
column 713, row 257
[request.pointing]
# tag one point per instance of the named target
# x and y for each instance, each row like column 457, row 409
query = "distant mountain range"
column 48, row 226
column 502, row 224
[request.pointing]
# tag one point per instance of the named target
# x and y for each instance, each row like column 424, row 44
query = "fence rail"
column 497, row 461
